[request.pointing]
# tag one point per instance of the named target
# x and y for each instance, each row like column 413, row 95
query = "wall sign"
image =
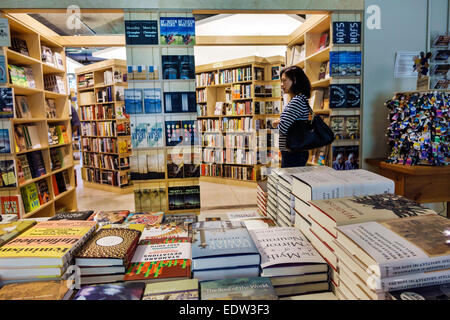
column 141, row 32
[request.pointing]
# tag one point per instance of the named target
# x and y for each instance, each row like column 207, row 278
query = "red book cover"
column 10, row 205
column 55, row 185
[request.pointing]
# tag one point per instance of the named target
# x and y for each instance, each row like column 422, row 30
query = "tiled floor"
column 215, row 198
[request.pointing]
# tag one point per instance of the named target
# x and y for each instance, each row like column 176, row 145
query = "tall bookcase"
column 161, row 104
column 105, row 129
column 336, row 96
column 236, row 103
column 55, row 199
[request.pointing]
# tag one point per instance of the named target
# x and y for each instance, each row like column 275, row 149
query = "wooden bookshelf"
column 308, row 35
column 105, row 76
column 219, row 82
column 36, row 100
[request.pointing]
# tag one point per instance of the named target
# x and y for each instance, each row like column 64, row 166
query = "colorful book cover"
column 3, row 75
column 7, row 174
column 10, row 205
column 152, row 100
column 111, row 291
column 172, row 290
column 30, row 197
column 166, row 230
column 58, row 238
column 5, row 146
column 152, row 261
column 9, row 231
column 106, row 217
column 133, row 101
column 6, row 103
column 146, row 218
column 177, row 31
column 17, row 76
column 435, row 292
column 154, row 133
column 255, row 288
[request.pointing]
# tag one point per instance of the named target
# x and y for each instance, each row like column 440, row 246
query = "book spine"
column 67, row 258
column 409, row 281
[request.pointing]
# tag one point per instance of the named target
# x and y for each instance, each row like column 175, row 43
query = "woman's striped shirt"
column 297, row 109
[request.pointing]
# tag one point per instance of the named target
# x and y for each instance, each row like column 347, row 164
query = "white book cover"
column 162, row 251
column 34, row 137
column 242, row 215
column 279, row 246
column 400, row 246
column 165, row 230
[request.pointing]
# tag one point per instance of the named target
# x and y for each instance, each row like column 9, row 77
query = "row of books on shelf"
column 26, row 137
column 98, row 112
column 241, row 91
column 116, row 179
column 52, row 58
column 268, row 91
column 21, row 107
column 37, row 194
column 101, row 161
column 229, row 156
column 105, row 145
column 138, row 101
column 85, row 80
column 100, row 128
column 323, row 204
column 57, row 134
column 234, row 75
column 106, row 94
column 54, row 83
column 114, row 76
column 241, row 124
column 21, row 76
column 228, row 171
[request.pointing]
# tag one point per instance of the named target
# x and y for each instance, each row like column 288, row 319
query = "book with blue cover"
column 139, row 133
column 3, row 77
column 6, row 103
column 345, row 63
column 254, row 288
column 176, row 102
column 222, row 244
column 133, row 101
column 152, row 100
column 177, row 31
column 5, row 145
column 155, row 133
column 226, row 273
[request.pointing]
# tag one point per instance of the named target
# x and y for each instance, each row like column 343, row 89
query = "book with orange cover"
column 40, row 290
column 48, row 243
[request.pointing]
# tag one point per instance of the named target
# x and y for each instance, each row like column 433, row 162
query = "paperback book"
column 7, row 174
column 6, row 102
column 5, row 146
column 172, row 290
column 255, row 288
column 152, row 100
column 133, row 101
column 177, row 31
column 178, row 67
column 111, row 291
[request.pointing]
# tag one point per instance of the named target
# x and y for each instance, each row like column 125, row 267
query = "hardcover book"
column 177, row 102
column 172, row 290
column 345, row 157
column 285, row 258
column 255, row 288
column 434, row 292
column 9, row 231
column 178, row 67
column 22, row 107
column 170, row 259
column 19, row 45
column 6, row 103
column 133, row 101
column 106, row 217
column 152, row 100
column 40, row 290
column 146, row 218
column 60, row 239
column 78, row 215
column 166, row 230
column 109, row 247
column 5, row 146
column 111, row 291
column 7, row 174
column 422, row 241
column 30, row 197
column 177, row 31
column 10, row 205
column 222, row 244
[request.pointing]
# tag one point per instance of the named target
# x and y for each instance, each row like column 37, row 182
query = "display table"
column 424, row 184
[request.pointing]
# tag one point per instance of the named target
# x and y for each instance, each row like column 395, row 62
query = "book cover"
column 6, row 103
column 141, row 32
column 155, row 133
column 30, row 197
column 178, row 67
column 133, row 101
column 50, row 108
column 152, row 100
column 111, row 291
column 7, row 174
column 174, row 166
column 174, row 133
column 43, row 191
column 5, row 146
column 119, row 93
column 177, row 31
column 22, row 107
column 40, row 290
column 255, row 288
column 346, row 32
column 181, row 217
column 106, row 217
column 30, row 78
column 10, row 205
column 9, row 231
column 166, row 230
column 337, row 125
column 222, row 238
column 37, row 164
column 434, row 292
column 191, row 197
column 46, row 243
column 178, row 102
column 156, row 261
column 47, row 56
column 110, row 244
column 146, row 218
column 345, row 157
column 17, row 76
column 78, row 215
column 172, row 290
column 351, row 127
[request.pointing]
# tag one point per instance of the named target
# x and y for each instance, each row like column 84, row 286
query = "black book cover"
column 192, row 197
column 178, row 67
column 353, row 95
column 37, row 165
column 174, row 134
column 60, row 182
column 176, row 198
column 174, row 166
column 177, row 102
column 44, row 193
column 78, row 215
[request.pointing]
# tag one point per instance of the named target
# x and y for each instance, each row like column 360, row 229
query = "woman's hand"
column 275, row 123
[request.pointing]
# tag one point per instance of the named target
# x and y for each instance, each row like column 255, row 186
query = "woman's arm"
column 298, row 109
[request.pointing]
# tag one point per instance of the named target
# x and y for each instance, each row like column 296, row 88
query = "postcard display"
column 36, row 157
column 160, row 100
column 330, row 54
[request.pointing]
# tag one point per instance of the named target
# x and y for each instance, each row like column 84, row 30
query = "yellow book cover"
column 9, row 231
column 41, row 290
column 49, row 239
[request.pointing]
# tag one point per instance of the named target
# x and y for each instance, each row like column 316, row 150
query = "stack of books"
column 290, row 261
column 286, row 202
column 249, row 288
column 261, row 197
column 272, row 197
column 330, row 184
column 377, row 258
column 44, row 251
column 107, row 255
column 223, row 249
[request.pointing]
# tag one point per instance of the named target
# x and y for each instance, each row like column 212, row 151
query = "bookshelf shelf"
column 103, row 83
column 24, row 90
column 321, row 83
column 48, row 69
column 54, row 95
column 41, row 208
column 57, row 120
column 31, row 150
column 65, row 193
column 28, row 120
column 60, row 145
column 320, row 56
column 16, row 57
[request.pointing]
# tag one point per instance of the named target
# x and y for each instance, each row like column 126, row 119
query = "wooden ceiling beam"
column 92, row 41
column 241, row 40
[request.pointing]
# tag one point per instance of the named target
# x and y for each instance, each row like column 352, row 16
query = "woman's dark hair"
column 300, row 82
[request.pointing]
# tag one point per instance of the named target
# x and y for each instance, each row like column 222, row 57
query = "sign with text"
column 141, row 32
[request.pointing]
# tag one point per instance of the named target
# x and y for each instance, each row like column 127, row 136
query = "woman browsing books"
column 295, row 83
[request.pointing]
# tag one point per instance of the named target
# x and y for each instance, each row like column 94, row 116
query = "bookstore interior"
column 140, row 156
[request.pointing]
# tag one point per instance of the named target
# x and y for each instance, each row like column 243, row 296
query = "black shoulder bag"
column 309, row 134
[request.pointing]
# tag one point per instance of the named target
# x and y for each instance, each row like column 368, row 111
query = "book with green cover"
column 17, row 75
column 30, row 197
column 9, row 231
column 172, row 290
